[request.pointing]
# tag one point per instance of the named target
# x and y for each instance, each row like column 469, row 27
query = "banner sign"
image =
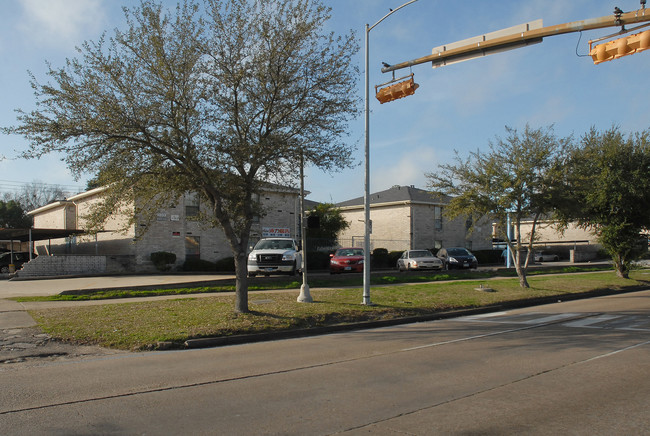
column 275, row 232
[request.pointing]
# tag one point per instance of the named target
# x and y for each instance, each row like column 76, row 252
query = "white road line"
column 631, row 347
column 591, row 320
column 550, row 318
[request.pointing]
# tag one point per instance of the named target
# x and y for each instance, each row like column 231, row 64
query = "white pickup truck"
column 273, row 256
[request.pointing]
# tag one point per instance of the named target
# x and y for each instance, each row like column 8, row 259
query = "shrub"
column 392, row 258
column 199, row 265
column 488, row 257
column 162, row 260
column 227, row 264
column 318, row 260
column 379, row 258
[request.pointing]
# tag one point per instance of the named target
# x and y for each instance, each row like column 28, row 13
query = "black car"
column 457, row 257
column 19, row 257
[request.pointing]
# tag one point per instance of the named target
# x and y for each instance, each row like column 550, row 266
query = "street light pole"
column 366, row 195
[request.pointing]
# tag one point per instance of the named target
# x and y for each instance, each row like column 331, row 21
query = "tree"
column 609, row 181
column 330, row 223
column 12, row 216
column 216, row 98
column 36, row 194
column 519, row 177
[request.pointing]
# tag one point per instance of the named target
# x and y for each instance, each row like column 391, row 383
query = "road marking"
column 631, row 347
column 551, row 318
column 581, row 320
column 588, row 322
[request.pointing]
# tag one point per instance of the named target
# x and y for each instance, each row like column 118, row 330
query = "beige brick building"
column 174, row 229
column 405, row 217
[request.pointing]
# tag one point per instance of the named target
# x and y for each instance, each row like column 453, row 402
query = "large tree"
column 517, row 178
column 12, row 215
column 609, row 192
column 216, row 97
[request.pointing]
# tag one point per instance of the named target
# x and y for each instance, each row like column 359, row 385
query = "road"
column 577, row 368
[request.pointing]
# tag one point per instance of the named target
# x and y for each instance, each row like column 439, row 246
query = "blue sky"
column 458, row 107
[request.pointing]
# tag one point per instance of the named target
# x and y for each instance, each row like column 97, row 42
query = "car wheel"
column 4, row 270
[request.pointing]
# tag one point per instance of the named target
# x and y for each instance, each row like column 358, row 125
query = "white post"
column 305, row 296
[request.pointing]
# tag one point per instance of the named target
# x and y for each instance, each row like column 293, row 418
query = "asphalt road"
column 577, row 368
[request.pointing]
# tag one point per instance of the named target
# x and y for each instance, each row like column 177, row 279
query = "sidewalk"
column 54, row 286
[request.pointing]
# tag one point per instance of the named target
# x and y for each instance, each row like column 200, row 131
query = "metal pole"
column 305, row 296
column 366, row 194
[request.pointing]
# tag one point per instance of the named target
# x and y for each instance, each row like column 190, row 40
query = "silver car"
column 418, row 259
column 544, row 256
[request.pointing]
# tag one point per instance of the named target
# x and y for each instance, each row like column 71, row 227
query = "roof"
column 24, row 235
column 69, row 200
column 398, row 194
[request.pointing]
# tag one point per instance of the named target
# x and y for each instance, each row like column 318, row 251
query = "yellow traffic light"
column 620, row 47
column 398, row 90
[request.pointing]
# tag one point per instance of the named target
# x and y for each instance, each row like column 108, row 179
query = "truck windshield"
column 274, row 244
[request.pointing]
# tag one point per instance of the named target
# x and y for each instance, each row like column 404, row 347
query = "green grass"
column 141, row 325
column 274, row 283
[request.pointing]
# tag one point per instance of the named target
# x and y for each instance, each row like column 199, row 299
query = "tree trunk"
column 241, row 287
column 521, row 272
column 621, row 271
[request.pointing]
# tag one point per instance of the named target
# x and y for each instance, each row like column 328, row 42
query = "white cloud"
column 408, row 168
column 54, row 22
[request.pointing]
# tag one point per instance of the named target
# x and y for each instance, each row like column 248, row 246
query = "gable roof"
column 399, row 195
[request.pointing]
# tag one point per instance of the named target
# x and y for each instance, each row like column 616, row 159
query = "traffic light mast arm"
column 483, row 47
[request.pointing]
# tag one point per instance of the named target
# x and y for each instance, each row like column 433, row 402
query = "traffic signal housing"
column 397, row 90
column 620, row 47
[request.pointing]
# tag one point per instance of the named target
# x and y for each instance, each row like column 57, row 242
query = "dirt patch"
column 30, row 346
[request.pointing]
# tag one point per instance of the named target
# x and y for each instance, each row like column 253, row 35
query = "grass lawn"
column 142, row 325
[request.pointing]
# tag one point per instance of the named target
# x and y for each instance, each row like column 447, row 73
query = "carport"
column 31, row 235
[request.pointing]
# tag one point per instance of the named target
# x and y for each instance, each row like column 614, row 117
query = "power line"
column 16, row 186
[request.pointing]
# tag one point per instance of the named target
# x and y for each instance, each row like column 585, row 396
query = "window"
column 191, row 205
column 468, row 223
column 192, row 247
column 437, row 217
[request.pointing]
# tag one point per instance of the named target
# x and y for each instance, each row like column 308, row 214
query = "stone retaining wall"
column 47, row 266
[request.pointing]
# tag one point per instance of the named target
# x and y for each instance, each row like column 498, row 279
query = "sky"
column 457, row 108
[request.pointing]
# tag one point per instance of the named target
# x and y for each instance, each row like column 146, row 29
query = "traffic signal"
column 620, row 47
column 398, row 90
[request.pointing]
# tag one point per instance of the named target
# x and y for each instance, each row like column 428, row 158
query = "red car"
column 346, row 260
